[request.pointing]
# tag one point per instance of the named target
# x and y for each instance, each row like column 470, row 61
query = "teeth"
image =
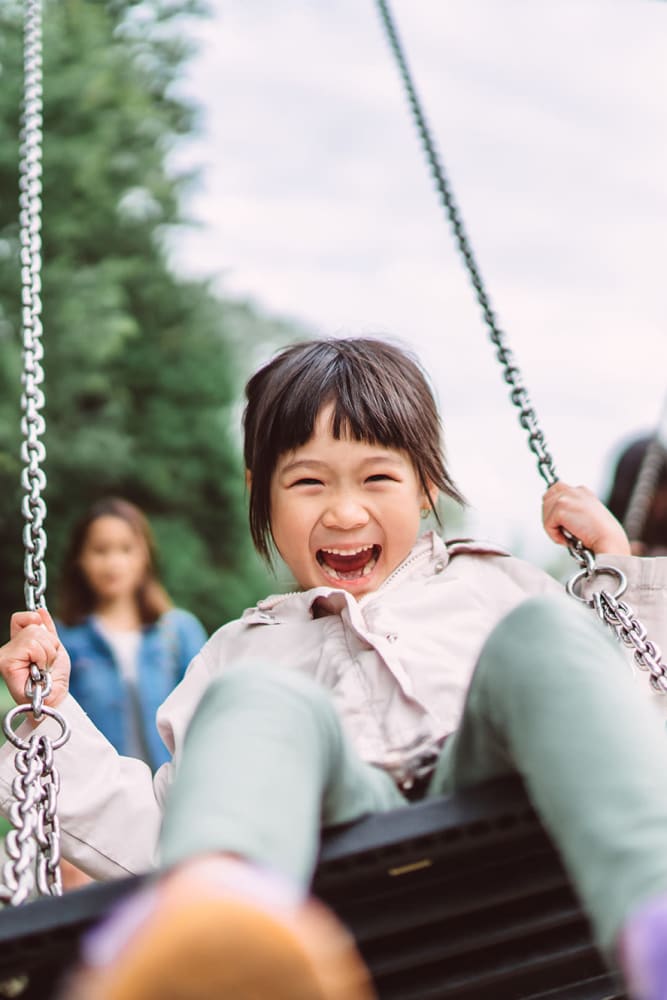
column 348, row 552
column 354, row 575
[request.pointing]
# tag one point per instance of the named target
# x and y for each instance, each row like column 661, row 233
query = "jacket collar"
column 312, row 603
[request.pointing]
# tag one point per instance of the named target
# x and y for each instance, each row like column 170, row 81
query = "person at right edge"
column 651, row 538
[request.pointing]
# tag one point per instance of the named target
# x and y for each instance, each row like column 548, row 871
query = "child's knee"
column 263, row 699
column 548, row 617
column 550, row 634
column 261, row 684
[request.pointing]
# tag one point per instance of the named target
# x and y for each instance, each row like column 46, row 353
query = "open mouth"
column 349, row 564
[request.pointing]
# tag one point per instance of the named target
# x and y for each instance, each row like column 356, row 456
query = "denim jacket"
column 165, row 650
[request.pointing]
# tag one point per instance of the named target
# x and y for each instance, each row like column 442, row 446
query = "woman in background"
column 649, row 538
column 128, row 644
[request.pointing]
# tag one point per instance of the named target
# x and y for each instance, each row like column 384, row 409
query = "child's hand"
column 577, row 509
column 34, row 640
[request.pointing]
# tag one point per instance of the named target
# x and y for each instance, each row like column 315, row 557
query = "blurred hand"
column 33, row 639
column 579, row 511
column 72, row 877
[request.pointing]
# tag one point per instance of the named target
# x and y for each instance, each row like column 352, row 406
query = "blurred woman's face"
column 113, row 558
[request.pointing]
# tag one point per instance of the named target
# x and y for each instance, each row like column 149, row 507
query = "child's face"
column 344, row 513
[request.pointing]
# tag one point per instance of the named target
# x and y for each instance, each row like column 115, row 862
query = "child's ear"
column 248, row 479
column 431, row 495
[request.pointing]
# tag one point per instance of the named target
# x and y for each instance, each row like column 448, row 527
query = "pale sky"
column 316, row 204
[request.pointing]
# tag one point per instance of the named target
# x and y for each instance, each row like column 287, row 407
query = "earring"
column 424, row 512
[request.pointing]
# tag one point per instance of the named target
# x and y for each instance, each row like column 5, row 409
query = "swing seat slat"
column 456, row 898
column 463, row 897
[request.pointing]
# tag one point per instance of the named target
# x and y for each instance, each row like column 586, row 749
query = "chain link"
column 620, row 617
column 33, row 479
column 33, row 846
column 511, row 373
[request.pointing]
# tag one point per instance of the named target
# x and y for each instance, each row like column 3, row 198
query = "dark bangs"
column 379, row 394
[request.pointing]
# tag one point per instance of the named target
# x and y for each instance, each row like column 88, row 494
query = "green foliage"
column 143, row 370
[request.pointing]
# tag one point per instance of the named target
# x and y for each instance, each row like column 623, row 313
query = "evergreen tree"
column 142, row 378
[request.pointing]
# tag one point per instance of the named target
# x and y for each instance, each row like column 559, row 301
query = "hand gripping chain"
column 619, row 617
column 33, row 846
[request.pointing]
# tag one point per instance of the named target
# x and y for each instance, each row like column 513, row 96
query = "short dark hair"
column 76, row 598
column 380, row 395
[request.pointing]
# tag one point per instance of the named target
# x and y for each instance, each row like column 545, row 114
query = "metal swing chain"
column 617, row 614
column 511, row 373
column 33, row 846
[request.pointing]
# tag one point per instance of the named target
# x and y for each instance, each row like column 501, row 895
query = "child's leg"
column 265, row 766
column 554, row 699
column 215, row 929
column 265, row 763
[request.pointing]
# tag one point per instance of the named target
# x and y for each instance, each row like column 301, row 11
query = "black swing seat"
column 461, row 897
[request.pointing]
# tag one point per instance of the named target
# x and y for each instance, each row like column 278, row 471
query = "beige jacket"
column 397, row 662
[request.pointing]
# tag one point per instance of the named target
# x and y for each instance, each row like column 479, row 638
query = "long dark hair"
column 626, row 472
column 76, row 599
column 380, row 395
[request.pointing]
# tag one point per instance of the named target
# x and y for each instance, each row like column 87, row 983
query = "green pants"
column 266, row 764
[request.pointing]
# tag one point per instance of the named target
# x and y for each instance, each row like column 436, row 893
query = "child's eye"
column 380, row 477
column 307, row 482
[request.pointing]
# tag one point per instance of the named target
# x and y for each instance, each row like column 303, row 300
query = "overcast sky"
column 316, row 203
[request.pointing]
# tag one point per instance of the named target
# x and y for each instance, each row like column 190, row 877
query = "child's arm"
column 102, row 795
column 577, row 509
column 33, row 639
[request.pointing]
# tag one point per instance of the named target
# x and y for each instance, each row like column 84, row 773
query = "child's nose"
column 345, row 512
